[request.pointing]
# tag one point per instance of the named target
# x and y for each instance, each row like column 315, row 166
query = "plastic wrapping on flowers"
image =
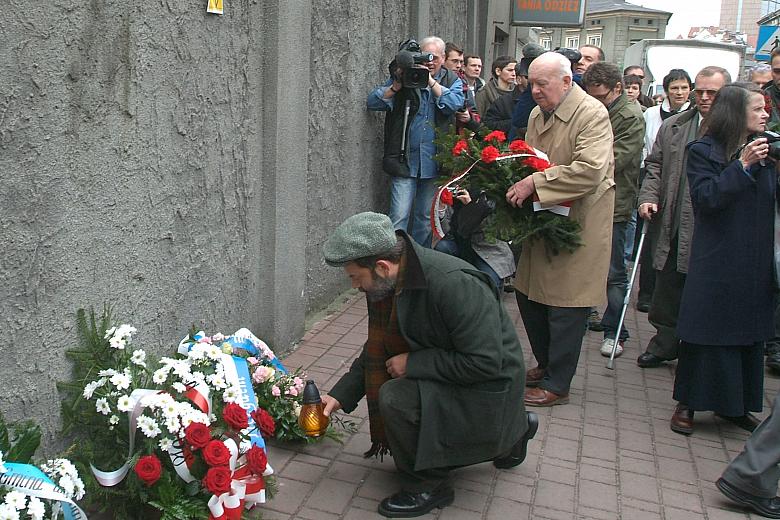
column 183, row 434
column 492, row 164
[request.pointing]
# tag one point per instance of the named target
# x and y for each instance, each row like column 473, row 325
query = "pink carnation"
column 292, row 391
column 275, row 391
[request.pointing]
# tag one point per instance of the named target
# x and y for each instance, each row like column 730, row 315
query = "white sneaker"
column 606, row 347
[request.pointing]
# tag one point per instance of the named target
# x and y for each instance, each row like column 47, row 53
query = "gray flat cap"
column 532, row 50
column 361, row 235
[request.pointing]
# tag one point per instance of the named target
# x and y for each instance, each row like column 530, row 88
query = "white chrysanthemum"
column 124, row 403
column 78, row 489
column 117, row 343
column 179, row 387
column 232, row 394
column 89, row 389
column 182, row 370
column 198, row 351
column 217, row 381
column 213, row 352
column 139, row 358
column 198, row 378
column 173, row 425
column 7, row 512
column 67, row 485
column 120, row 381
column 36, row 509
column 107, row 372
column 148, row 426
column 109, row 333
column 125, row 331
column 165, row 444
column 160, row 376
column 3, row 469
column 101, row 405
column 16, row 500
column 114, row 419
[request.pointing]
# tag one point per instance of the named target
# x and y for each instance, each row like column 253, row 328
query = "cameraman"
column 413, row 115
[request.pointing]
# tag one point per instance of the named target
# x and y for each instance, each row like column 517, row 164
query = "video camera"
column 410, row 59
column 772, row 139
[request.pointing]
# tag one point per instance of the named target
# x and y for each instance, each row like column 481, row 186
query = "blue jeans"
column 410, row 207
column 451, row 247
column 631, row 237
column 617, row 282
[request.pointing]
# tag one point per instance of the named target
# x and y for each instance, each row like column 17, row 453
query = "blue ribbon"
column 31, row 481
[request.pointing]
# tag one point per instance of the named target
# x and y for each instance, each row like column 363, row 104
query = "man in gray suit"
column 751, row 478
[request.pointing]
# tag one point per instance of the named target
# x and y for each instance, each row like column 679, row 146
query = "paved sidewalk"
column 608, row 454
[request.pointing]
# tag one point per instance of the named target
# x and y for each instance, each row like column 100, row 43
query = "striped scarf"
column 384, row 341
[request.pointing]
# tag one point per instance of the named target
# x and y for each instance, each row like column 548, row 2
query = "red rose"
column 148, row 469
column 197, row 435
column 235, row 416
column 217, row 480
column 498, row 135
column 490, row 154
column 264, row 422
column 460, row 147
column 257, row 460
column 520, row 146
column 216, row 454
column 537, row 164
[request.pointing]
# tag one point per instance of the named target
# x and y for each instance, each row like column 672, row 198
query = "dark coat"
column 728, row 293
column 499, row 115
column 466, row 357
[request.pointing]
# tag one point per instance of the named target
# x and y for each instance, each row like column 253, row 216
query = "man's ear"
column 567, row 80
column 383, row 268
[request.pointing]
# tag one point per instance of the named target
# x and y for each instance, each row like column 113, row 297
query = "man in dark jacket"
column 603, row 81
column 442, row 356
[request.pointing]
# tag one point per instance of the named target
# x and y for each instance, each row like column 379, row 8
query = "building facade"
column 743, row 15
column 612, row 25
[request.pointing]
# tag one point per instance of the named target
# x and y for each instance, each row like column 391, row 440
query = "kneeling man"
column 442, row 369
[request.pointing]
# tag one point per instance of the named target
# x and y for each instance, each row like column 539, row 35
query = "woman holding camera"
column 726, row 311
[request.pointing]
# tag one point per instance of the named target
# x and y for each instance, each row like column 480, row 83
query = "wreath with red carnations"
column 492, row 165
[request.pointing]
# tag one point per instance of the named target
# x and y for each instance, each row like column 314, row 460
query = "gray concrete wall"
column 184, row 167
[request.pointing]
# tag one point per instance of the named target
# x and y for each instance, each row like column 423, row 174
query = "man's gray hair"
column 711, row 70
column 436, row 41
column 760, row 68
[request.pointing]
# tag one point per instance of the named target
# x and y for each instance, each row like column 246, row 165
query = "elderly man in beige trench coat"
column 554, row 293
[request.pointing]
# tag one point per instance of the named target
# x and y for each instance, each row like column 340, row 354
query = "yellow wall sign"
column 215, row 7
column 545, row 13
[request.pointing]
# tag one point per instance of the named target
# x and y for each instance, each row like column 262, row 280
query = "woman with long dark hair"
column 726, row 311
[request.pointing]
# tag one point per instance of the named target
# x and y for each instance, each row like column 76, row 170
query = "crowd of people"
column 441, row 353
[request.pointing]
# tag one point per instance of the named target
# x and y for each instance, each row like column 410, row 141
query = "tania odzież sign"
column 545, row 13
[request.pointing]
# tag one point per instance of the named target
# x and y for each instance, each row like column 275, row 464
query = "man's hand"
column 646, row 210
column 463, row 117
column 520, row 191
column 396, row 365
column 331, row 405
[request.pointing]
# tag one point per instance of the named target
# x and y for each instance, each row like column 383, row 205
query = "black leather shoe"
column 648, row 360
column 773, row 357
column 747, row 422
column 406, row 504
column 768, row 507
column 520, row 449
column 643, row 306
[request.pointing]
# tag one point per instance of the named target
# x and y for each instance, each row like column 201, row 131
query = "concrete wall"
column 184, row 167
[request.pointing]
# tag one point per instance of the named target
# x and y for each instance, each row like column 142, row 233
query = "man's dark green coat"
column 466, row 357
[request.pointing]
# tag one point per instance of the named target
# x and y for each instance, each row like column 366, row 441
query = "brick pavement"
column 608, row 454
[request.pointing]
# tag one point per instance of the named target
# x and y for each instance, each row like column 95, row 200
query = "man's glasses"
column 702, row 91
column 776, row 71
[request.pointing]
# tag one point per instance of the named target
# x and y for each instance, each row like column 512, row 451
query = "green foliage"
column 508, row 223
column 19, row 441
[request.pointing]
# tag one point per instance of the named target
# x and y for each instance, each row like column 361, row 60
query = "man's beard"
column 382, row 288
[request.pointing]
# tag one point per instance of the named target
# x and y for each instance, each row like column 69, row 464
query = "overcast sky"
column 687, row 13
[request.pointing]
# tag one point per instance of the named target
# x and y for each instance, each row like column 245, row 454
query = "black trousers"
column 665, row 307
column 555, row 334
column 399, row 403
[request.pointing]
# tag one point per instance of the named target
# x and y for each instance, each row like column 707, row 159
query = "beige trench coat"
column 578, row 139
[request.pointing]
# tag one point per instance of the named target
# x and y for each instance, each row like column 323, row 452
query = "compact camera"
column 772, row 139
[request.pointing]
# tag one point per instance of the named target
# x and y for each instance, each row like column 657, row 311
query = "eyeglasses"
column 776, row 71
column 702, row 91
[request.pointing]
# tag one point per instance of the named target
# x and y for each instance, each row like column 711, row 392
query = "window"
column 572, row 42
column 650, row 22
column 636, row 20
column 546, row 44
column 594, row 39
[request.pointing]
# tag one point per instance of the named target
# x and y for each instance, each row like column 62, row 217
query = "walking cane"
column 611, row 362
